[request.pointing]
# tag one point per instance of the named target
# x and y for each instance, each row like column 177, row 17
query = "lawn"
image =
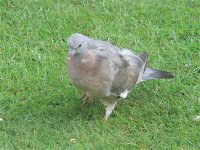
column 39, row 107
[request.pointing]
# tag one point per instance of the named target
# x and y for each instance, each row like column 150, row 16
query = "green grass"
column 41, row 110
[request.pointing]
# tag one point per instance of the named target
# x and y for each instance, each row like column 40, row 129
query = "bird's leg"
column 83, row 97
column 86, row 98
column 109, row 109
column 94, row 101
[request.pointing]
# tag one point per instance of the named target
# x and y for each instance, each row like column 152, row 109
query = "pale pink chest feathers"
column 86, row 74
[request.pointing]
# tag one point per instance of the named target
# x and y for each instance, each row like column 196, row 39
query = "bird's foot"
column 85, row 100
column 83, row 104
column 104, row 119
column 94, row 101
column 109, row 109
column 84, row 96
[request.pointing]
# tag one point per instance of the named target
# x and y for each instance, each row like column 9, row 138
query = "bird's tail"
column 150, row 74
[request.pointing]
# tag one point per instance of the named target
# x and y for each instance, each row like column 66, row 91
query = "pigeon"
column 106, row 72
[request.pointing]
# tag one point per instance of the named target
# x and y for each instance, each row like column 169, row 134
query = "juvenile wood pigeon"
column 105, row 72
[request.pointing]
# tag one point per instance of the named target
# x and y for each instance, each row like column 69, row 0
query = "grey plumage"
column 104, row 71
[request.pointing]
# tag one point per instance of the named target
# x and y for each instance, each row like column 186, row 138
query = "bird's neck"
column 85, row 59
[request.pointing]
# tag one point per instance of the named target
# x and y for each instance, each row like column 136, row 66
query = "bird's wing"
column 129, row 73
column 127, row 67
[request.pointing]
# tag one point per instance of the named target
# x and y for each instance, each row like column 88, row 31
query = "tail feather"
column 150, row 74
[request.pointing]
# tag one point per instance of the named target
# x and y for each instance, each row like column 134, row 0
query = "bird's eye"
column 79, row 45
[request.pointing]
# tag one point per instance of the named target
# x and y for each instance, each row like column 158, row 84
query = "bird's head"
column 77, row 44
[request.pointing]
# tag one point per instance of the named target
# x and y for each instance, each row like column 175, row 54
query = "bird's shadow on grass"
column 71, row 109
column 62, row 109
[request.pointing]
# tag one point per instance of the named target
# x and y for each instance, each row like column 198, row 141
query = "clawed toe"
column 83, row 104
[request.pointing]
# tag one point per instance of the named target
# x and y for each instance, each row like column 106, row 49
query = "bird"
column 106, row 72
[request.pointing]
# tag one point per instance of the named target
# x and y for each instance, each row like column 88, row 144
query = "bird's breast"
column 88, row 75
